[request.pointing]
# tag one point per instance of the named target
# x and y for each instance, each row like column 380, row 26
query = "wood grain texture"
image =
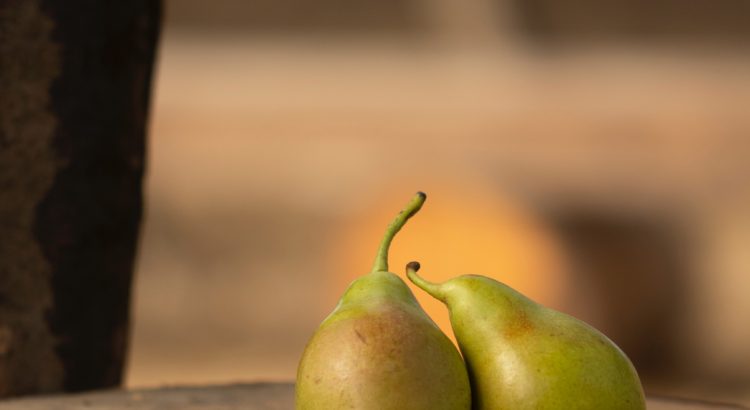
column 258, row 396
column 29, row 64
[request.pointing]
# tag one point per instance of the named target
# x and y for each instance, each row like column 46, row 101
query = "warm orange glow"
column 461, row 229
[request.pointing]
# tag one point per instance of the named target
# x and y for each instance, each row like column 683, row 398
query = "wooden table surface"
column 258, row 396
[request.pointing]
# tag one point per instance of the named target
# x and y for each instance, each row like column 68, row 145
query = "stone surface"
column 258, row 396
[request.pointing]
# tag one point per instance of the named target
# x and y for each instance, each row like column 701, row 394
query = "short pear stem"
column 381, row 260
column 434, row 289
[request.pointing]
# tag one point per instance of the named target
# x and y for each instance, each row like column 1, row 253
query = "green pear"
column 522, row 355
column 379, row 350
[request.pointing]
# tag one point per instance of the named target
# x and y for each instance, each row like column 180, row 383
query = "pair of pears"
column 379, row 350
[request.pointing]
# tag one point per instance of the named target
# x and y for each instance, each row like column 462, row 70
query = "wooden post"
column 74, row 90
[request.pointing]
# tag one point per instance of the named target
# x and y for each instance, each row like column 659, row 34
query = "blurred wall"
column 289, row 15
column 280, row 128
column 684, row 23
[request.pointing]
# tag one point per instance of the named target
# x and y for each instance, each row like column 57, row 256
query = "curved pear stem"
column 381, row 260
column 434, row 289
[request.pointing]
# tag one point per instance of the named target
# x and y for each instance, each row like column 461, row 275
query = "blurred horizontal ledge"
column 256, row 396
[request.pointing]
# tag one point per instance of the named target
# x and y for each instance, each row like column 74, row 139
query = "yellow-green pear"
column 522, row 355
column 378, row 350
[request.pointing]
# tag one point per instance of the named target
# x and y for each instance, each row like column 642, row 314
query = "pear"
column 522, row 355
column 379, row 350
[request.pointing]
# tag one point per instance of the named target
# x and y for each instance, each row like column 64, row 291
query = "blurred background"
column 592, row 154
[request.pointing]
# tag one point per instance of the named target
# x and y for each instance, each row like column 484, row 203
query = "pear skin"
column 379, row 350
column 522, row 355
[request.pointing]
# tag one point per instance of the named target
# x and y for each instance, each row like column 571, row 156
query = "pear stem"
column 381, row 260
column 434, row 289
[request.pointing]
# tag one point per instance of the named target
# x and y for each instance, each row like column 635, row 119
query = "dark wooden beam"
column 75, row 82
